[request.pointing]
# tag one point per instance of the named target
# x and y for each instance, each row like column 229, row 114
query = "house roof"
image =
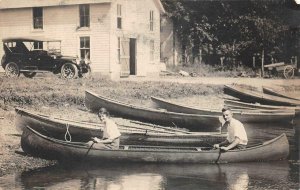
column 160, row 6
column 10, row 4
column 29, row 39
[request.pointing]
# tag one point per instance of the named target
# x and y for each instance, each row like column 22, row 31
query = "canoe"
column 246, row 116
column 134, row 134
column 271, row 91
column 243, row 105
column 46, row 147
column 163, row 117
column 258, row 97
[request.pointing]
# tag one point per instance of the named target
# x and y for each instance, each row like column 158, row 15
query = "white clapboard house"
column 120, row 37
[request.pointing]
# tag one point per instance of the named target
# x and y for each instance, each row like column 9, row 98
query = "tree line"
column 235, row 32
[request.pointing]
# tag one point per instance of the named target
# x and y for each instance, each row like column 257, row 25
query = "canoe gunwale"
column 84, row 145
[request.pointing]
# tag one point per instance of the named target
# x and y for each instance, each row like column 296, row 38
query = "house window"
column 84, row 14
column 119, row 50
column 37, row 13
column 38, row 45
column 151, row 20
column 119, row 16
column 151, row 50
column 85, row 47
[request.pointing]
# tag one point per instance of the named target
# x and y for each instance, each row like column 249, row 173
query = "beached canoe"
column 130, row 134
column 272, row 91
column 190, row 121
column 246, row 116
column 252, row 96
column 42, row 146
column 234, row 104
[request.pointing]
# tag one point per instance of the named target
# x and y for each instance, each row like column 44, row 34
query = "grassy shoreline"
column 65, row 98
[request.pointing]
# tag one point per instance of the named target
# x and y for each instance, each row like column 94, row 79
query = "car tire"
column 29, row 74
column 12, row 70
column 69, row 71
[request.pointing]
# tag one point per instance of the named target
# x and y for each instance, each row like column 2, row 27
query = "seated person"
column 236, row 137
column 111, row 134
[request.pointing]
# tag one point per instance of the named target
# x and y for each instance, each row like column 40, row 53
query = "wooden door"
column 124, row 57
column 132, row 59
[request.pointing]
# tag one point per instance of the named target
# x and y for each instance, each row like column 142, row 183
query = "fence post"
column 262, row 63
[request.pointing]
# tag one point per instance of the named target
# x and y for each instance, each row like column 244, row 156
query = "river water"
column 239, row 176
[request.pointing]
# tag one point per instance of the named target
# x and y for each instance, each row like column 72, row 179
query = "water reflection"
column 152, row 177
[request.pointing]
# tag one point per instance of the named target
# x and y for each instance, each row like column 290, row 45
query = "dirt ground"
column 12, row 158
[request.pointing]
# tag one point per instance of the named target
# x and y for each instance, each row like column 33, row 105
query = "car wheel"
column 12, row 70
column 29, row 74
column 69, row 71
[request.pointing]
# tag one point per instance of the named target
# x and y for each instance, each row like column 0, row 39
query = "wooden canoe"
column 134, row 134
column 243, row 105
column 258, row 97
column 189, row 121
column 246, row 116
column 271, row 91
column 42, row 146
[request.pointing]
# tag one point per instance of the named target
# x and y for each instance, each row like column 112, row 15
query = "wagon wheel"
column 288, row 72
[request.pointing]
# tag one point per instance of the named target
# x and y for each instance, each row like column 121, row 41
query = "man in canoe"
column 237, row 136
column 111, row 134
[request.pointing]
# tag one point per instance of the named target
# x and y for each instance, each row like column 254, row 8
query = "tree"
column 234, row 29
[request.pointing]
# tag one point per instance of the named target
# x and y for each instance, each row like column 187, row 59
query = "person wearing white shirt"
column 236, row 136
column 111, row 134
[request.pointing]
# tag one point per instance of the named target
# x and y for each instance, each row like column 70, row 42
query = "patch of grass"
column 204, row 70
column 53, row 91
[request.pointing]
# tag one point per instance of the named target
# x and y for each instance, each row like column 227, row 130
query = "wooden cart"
column 286, row 70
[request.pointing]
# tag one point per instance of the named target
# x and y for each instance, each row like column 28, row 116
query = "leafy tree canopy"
column 234, row 29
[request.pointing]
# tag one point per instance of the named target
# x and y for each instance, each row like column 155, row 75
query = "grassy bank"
column 53, row 91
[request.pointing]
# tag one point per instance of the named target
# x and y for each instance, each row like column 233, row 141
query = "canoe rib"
column 40, row 145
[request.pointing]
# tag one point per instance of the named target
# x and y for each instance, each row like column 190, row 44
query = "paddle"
column 88, row 151
column 220, row 151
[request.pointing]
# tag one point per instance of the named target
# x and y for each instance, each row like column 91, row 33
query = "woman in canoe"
column 111, row 134
column 237, row 136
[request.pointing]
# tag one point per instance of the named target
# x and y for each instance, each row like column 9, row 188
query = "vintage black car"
column 28, row 56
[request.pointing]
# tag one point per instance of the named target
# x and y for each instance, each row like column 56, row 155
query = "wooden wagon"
column 286, row 70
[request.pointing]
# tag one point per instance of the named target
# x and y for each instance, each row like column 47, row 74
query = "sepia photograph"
column 150, row 94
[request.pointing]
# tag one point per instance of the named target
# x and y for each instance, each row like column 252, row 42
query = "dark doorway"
column 132, row 56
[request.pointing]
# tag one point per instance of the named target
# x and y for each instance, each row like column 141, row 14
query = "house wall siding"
column 170, row 45
column 136, row 24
